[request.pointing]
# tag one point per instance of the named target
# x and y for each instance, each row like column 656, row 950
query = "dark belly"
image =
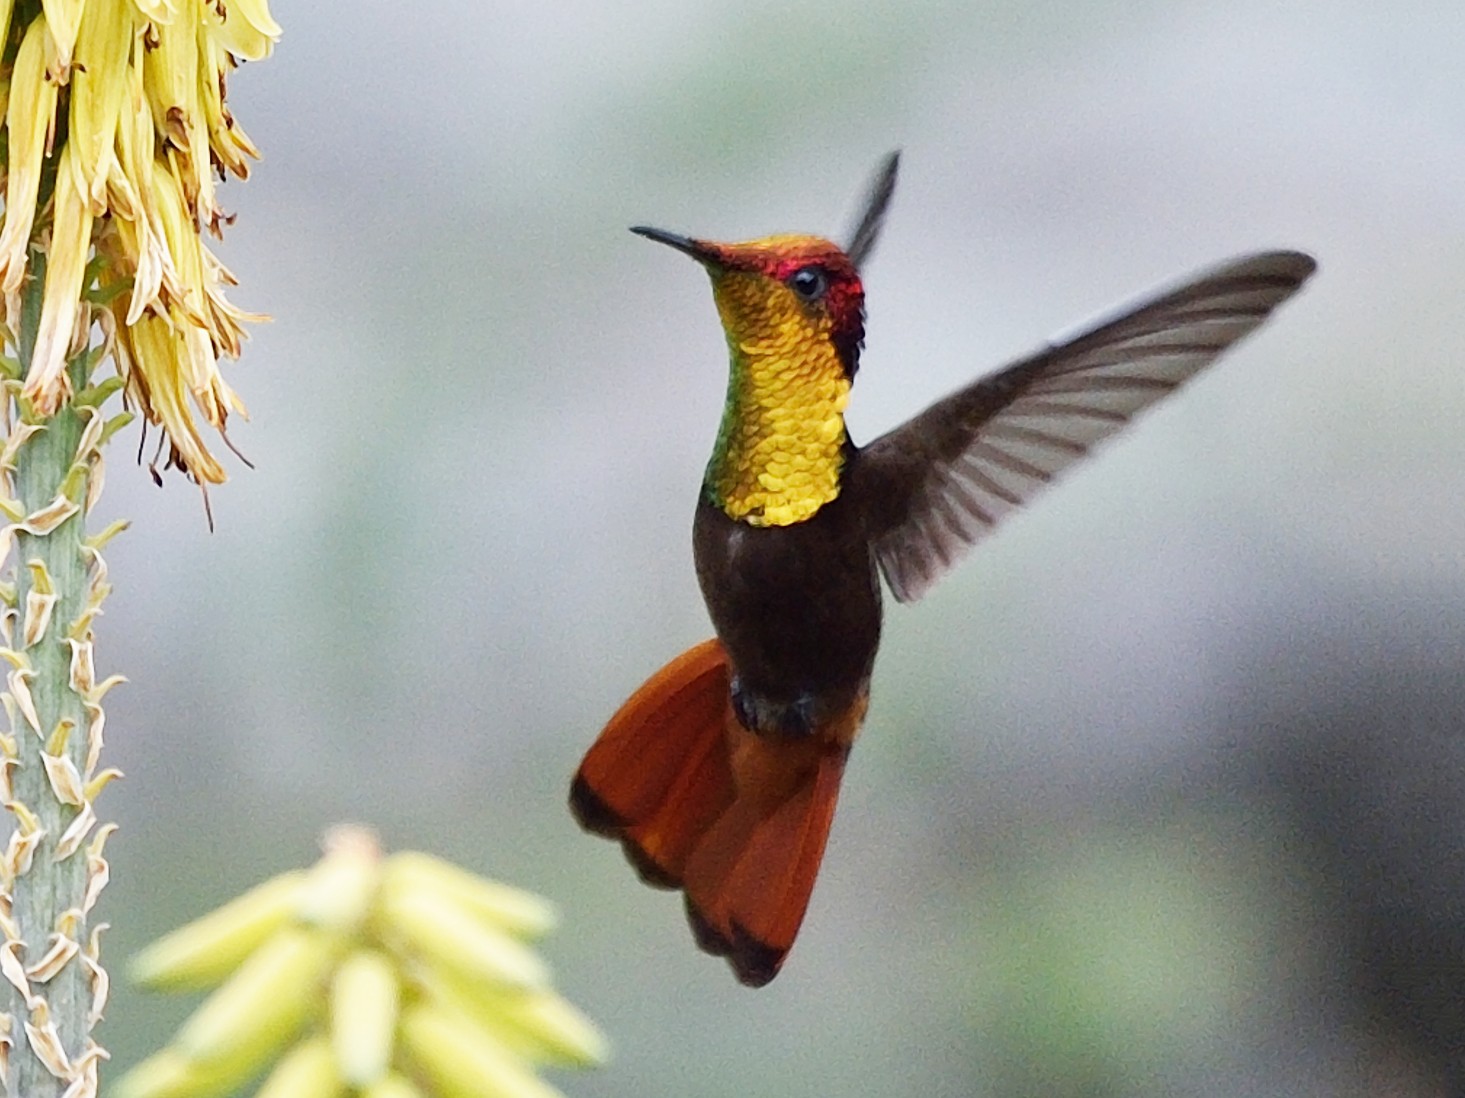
column 797, row 607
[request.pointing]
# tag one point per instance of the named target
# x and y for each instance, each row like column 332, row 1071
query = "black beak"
column 699, row 250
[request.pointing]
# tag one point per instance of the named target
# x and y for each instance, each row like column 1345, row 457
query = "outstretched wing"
column 941, row 481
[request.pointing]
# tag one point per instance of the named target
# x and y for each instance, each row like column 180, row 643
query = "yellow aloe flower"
column 118, row 198
column 395, row 976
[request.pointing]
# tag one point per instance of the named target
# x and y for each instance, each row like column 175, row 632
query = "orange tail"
column 737, row 820
column 658, row 776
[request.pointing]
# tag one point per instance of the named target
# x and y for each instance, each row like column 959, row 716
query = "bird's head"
column 782, row 295
column 793, row 312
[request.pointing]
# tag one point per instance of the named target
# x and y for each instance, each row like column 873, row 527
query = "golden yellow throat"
column 780, row 448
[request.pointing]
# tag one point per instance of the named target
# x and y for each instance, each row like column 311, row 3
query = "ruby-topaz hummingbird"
column 719, row 776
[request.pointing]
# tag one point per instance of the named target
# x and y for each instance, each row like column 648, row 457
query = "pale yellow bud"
column 306, row 1071
column 513, row 909
column 364, row 998
column 263, row 1006
column 537, row 1025
column 163, row 1075
column 462, row 1061
column 206, row 950
column 339, row 892
column 392, row 1086
column 446, row 936
column 170, row 1074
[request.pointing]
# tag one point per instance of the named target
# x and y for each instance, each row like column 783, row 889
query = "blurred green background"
column 1163, row 793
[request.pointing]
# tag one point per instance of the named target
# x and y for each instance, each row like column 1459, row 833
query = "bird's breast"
column 797, row 607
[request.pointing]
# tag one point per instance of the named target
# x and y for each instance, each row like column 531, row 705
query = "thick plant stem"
column 50, row 872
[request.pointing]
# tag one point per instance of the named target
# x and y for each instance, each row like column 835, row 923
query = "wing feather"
column 943, row 480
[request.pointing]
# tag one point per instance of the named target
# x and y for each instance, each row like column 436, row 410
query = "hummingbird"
column 719, row 776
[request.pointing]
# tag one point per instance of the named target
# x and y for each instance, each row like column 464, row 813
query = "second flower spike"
column 358, row 961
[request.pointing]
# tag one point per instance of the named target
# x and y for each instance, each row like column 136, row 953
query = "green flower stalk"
column 372, row 976
column 115, row 128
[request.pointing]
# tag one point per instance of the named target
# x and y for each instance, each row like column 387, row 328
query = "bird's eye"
column 810, row 283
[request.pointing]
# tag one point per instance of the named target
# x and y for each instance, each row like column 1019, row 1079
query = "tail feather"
column 736, row 819
column 661, row 846
column 749, row 882
column 631, row 768
column 776, row 874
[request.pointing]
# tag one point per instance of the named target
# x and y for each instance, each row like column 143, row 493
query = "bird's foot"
column 792, row 720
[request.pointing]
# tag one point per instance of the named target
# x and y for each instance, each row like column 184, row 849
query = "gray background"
column 1158, row 793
